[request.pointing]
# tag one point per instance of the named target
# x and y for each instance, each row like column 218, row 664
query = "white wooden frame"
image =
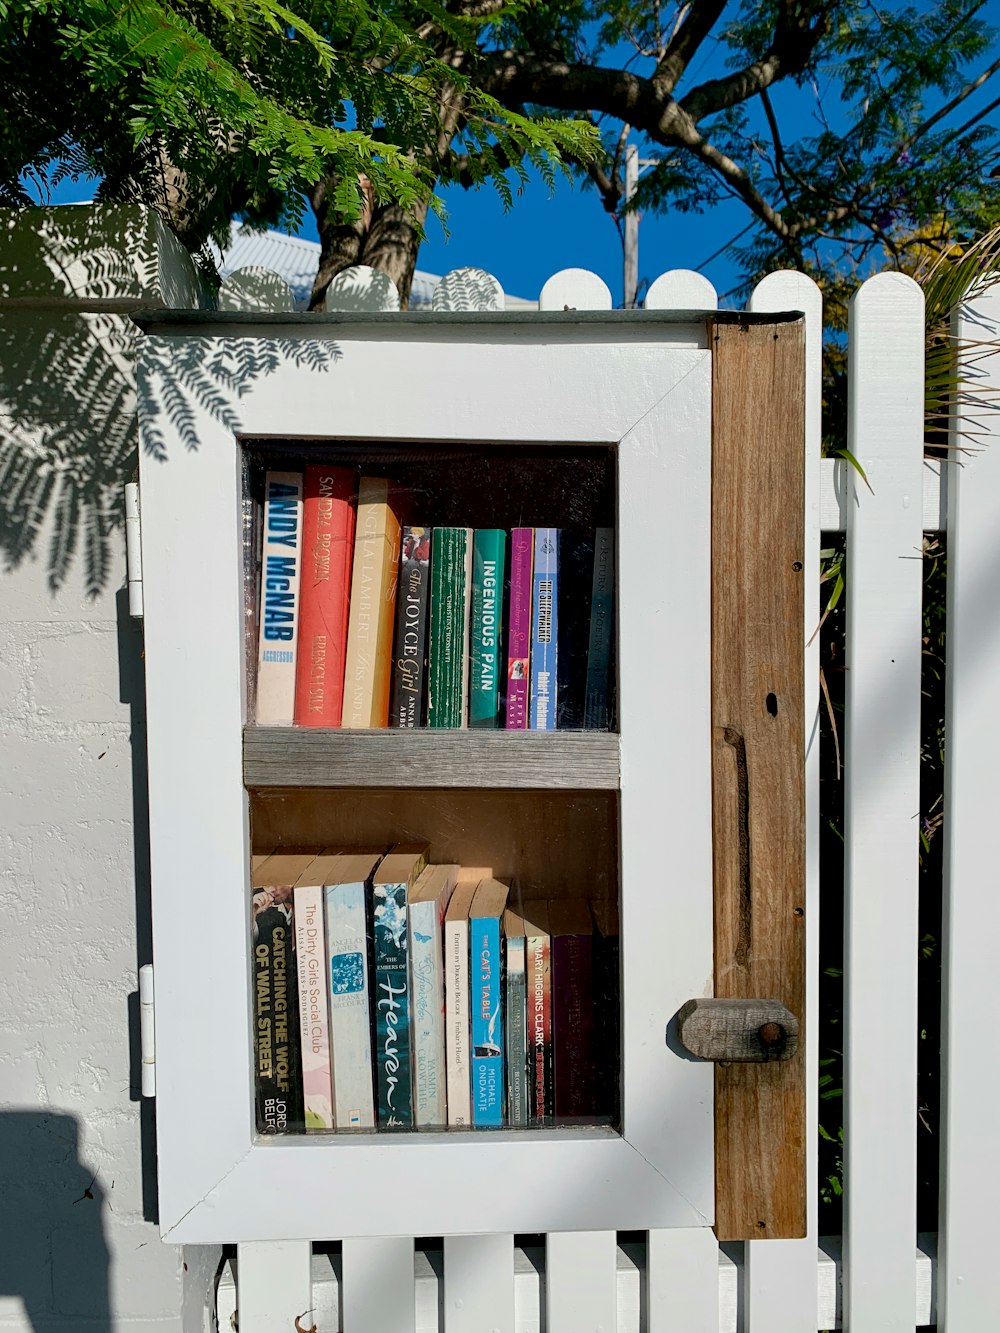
column 643, row 386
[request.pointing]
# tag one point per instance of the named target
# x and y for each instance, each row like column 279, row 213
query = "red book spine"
column 329, row 509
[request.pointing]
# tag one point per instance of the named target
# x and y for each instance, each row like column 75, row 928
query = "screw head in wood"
column 771, row 1033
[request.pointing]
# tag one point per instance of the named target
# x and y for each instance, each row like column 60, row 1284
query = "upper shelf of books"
column 434, row 609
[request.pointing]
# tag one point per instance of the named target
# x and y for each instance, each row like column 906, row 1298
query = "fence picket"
column 379, row 1285
column 468, row 289
column 969, row 1276
column 881, row 802
column 479, row 1284
column 681, row 289
column 581, row 1282
column 575, row 289
column 361, row 290
column 275, row 1285
column 779, row 1287
column 682, row 1276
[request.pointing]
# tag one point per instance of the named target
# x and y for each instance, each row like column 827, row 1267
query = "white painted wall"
column 80, row 1249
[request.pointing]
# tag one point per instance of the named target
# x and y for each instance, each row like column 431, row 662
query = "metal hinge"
column 133, row 549
column 147, row 1030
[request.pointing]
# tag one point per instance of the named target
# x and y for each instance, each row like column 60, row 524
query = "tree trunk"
column 340, row 241
column 391, row 244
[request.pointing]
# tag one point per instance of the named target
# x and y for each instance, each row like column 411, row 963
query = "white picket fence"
column 879, row 1277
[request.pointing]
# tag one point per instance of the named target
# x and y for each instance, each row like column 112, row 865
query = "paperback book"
column 607, row 1010
column 391, row 887
column 538, row 1004
column 487, row 603
column 544, row 623
column 371, row 620
column 314, row 1023
column 456, row 964
column 519, row 628
column 572, row 935
column 597, row 708
column 428, row 904
column 280, row 577
column 448, row 657
column 328, row 513
column 515, row 986
column 486, row 1005
column 347, row 882
column 409, row 674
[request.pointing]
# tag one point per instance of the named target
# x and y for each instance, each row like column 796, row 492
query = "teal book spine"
column 451, row 595
column 487, row 606
column 486, row 1022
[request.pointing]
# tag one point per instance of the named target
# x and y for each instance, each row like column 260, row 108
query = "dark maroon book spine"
column 573, row 1025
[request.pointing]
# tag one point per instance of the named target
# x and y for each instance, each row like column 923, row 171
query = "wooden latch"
column 745, row 1030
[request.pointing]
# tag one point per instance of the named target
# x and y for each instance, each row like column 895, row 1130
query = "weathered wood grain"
column 331, row 757
column 758, row 413
column 747, row 1030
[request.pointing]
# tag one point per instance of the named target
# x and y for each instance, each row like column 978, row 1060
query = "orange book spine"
column 328, row 522
column 372, row 617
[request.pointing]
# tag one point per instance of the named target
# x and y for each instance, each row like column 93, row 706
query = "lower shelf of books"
column 428, row 961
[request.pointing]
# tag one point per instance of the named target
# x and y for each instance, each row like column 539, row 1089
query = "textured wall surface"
column 80, row 1247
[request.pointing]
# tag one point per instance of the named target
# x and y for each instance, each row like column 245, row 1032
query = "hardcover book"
column 538, row 1004
column 544, row 622
column 371, row 619
column 409, row 673
column 314, row 1020
column 607, row 1010
column 347, row 881
column 486, row 1003
column 571, row 929
column 451, row 597
column 280, row 576
column 456, row 964
column 428, row 903
column 515, row 987
column 328, row 512
column 597, row 708
column 277, row 1064
column 487, row 603
column 522, row 541
column 391, row 885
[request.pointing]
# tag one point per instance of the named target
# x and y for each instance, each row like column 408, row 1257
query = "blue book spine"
column 392, row 1006
column 486, row 1012
column 544, row 637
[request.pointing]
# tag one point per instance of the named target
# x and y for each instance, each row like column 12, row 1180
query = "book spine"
column 372, row 612
column 596, row 711
column 392, row 1007
column 409, row 676
column 310, row 949
column 487, row 1022
column 327, row 553
column 517, row 1050
column 451, row 569
column 544, row 636
column 538, row 970
column 276, row 1023
column 456, row 962
column 573, row 1026
column 252, row 534
column 519, row 628
column 487, row 603
column 430, row 1107
column 350, row 1000
column 280, row 575
column 607, row 1028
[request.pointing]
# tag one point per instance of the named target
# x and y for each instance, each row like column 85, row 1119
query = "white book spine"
column 430, row 1105
column 350, row 1024
column 310, row 948
column 456, row 974
column 280, row 576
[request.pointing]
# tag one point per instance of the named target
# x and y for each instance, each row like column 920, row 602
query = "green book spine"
column 451, row 594
column 487, row 608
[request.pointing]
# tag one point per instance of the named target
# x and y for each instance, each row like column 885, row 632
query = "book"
column 538, row 981
column 328, row 514
column 484, row 635
column 314, row 1003
column 572, row 933
column 391, row 885
column 607, row 1010
column 486, row 1003
column 597, row 706
column 522, row 541
column 448, row 655
column 456, row 1022
column 368, row 666
column 277, row 1063
column 544, row 622
column 576, row 578
column 409, row 669
column 280, row 576
column 429, row 900
column 515, row 994
column 347, row 882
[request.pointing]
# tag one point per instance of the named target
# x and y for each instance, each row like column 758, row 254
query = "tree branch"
column 685, row 40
